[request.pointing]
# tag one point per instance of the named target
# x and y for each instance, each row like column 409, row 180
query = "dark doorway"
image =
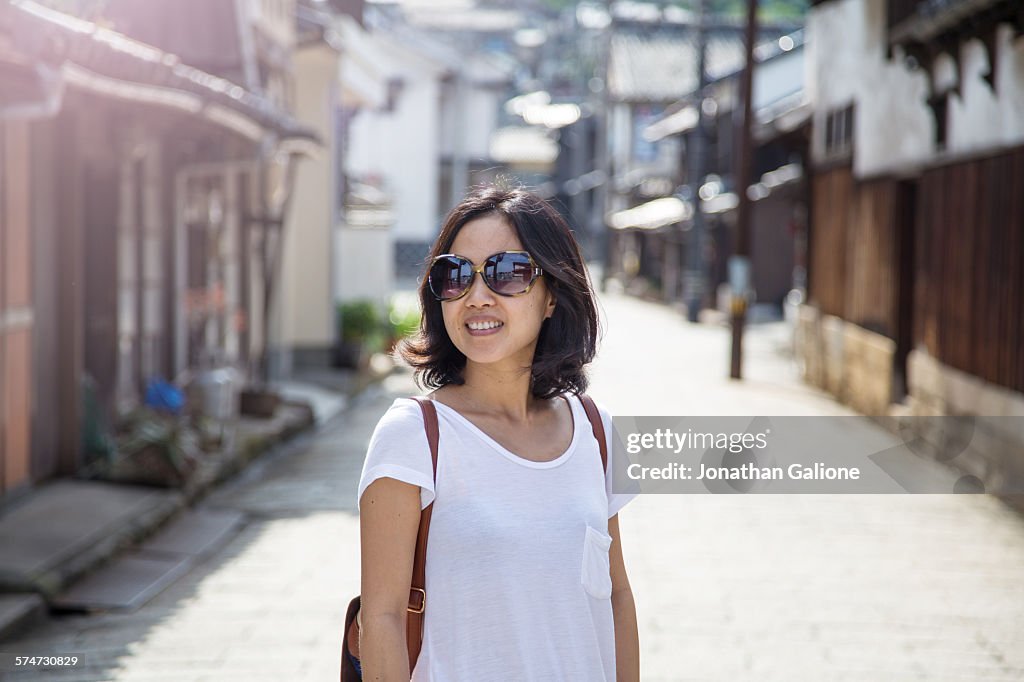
column 905, row 220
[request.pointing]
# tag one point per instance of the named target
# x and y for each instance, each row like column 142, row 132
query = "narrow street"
column 855, row 587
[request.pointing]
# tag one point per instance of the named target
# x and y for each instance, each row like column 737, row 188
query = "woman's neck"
column 506, row 391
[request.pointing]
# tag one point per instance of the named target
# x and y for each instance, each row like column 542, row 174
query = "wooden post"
column 739, row 263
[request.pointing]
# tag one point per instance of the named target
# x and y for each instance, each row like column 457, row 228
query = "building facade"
column 916, row 259
column 138, row 195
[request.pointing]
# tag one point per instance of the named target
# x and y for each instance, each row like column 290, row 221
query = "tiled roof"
column 192, row 29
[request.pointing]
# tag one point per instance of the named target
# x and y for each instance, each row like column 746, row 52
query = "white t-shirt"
column 517, row 575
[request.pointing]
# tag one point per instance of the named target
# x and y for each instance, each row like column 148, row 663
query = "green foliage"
column 768, row 10
column 360, row 321
column 363, row 322
column 557, row 5
column 403, row 319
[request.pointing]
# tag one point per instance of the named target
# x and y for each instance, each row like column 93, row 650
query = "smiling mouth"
column 483, row 326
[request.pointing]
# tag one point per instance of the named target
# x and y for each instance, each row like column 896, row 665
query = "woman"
column 524, row 571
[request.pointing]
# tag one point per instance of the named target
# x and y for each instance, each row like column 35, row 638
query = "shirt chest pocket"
column 596, row 576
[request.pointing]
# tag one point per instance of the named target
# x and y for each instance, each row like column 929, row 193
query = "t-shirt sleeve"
column 399, row 449
column 621, row 497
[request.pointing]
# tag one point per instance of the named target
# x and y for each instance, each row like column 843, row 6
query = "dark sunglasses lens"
column 449, row 277
column 509, row 273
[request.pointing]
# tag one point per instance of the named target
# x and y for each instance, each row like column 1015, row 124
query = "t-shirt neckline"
column 508, row 454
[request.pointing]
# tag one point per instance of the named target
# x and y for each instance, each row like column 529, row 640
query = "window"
column 839, row 132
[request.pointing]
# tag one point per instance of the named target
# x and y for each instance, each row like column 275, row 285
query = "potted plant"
column 360, row 332
column 153, row 448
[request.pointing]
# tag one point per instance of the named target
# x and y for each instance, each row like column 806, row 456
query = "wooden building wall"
column 830, row 203
column 854, row 249
column 16, row 321
column 970, row 267
column 873, row 259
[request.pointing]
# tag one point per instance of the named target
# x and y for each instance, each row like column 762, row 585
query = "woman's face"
column 519, row 317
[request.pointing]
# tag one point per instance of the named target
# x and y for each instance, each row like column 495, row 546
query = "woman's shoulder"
column 404, row 414
column 405, row 404
column 398, row 436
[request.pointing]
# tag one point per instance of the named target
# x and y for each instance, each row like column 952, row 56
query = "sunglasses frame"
column 478, row 270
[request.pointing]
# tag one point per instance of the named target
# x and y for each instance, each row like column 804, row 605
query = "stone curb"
column 20, row 612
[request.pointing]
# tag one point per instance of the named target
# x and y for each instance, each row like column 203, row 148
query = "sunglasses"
column 508, row 273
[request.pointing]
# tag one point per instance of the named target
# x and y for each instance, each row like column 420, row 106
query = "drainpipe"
column 250, row 73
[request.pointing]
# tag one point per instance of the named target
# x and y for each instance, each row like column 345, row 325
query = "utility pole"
column 694, row 282
column 739, row 263
column 602, row 156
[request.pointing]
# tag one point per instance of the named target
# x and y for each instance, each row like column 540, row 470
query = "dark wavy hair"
column 568, row 339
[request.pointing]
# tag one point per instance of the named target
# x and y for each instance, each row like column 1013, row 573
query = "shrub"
column 360, row 321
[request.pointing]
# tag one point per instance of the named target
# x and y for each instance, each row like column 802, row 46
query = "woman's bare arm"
column 388, row 521
column 627, row 637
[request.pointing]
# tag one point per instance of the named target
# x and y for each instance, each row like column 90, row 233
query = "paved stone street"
column 758, row 587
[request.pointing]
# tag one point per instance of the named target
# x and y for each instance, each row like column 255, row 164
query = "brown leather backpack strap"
column 417, row 591
column 597, row 426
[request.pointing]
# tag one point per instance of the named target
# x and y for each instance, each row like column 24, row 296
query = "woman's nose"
column 479, row 293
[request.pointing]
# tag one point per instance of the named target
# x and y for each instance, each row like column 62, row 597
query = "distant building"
column 323, row 263
column 654, row 100
column 431, row 137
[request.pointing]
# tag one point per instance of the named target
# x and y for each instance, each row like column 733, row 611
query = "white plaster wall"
column 402, row 146
column 893, row 127
column 778, row 78
column 305, row 293
column 846, row 50
column 481, row 120
column 983, row 119
column 365, row 264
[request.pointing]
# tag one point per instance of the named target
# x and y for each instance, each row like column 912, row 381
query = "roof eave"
column 111, row 64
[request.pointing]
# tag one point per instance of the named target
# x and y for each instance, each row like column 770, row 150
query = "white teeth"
column 480, row 326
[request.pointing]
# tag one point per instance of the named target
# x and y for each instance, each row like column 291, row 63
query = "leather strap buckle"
column 422, row 600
